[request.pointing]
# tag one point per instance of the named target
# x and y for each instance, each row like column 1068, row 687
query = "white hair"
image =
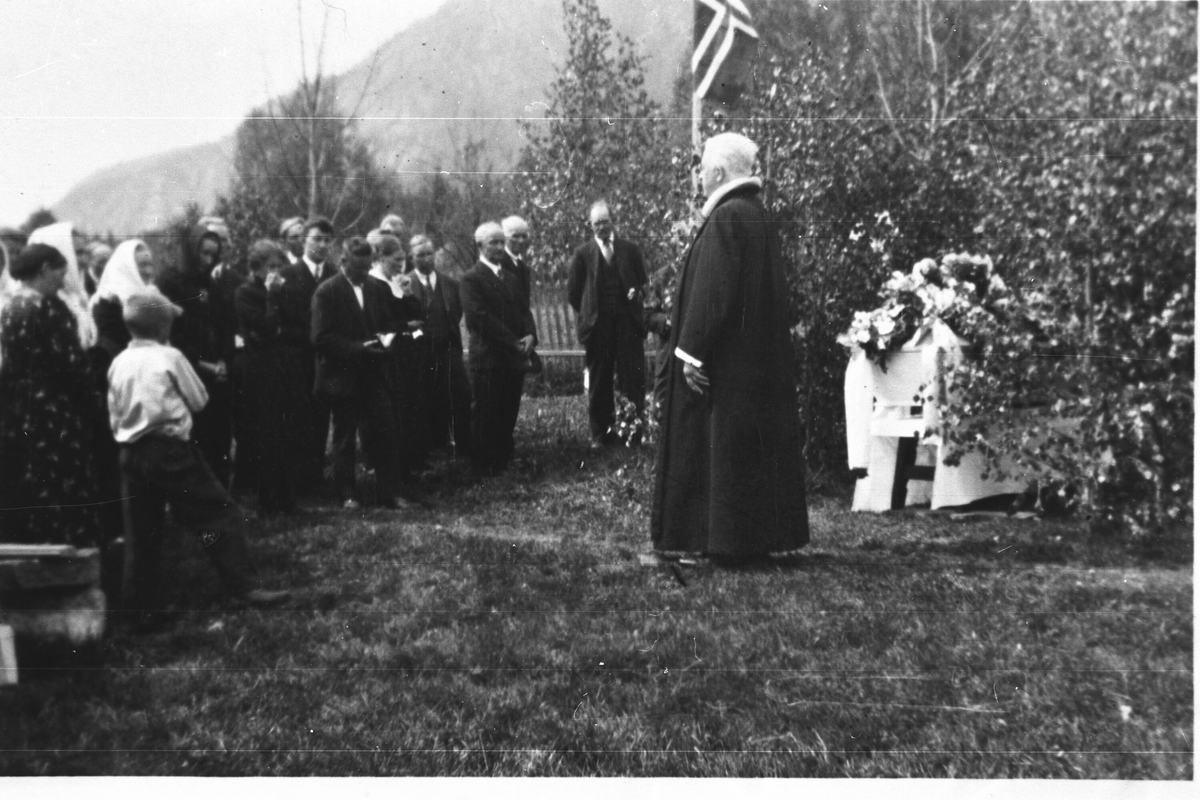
column 487, row 229
column 733, row 151
column 513, row 224
column 596, row 206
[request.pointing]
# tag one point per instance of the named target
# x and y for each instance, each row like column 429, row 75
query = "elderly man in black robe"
column 729, row 479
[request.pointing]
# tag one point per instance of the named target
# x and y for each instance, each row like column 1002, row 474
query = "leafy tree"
column 601, row 137
column 1057, row 138
column 300, row 156
column 1096, row 213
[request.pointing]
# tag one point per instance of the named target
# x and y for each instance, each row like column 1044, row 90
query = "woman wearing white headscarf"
column 74, row 292
column 130, row 270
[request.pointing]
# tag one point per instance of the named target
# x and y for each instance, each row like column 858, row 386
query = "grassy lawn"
column 511, row 630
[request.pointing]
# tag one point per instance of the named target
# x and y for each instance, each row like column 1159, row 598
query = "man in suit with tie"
column 352, row 331
column 300, row 281
column 516, row 245
column 445, row 389
column 499, row 343
column 605, row 285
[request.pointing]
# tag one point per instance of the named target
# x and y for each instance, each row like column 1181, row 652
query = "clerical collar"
column 721, row 191
column 495, row 268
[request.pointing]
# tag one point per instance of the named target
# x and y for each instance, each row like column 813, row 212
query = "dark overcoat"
column 729, row 479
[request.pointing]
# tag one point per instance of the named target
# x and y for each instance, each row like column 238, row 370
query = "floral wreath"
column 962, row 291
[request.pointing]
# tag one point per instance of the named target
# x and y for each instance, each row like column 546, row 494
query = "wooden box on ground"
column 51, row 593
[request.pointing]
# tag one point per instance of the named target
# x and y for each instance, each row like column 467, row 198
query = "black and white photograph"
column 575, row 389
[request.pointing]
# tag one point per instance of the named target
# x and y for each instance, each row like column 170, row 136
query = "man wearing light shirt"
column 301, row 279
column 445, row 388
column 352, row 331
column 729, row 477
column 500, row 341
column 153, row 394
column 606, row 284
column 516, row 247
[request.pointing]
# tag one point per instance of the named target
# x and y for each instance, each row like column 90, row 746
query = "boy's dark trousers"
column 157, row 470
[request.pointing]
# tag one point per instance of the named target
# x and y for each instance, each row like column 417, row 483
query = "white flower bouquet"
column 956, row 292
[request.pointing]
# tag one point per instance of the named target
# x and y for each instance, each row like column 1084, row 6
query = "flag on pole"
column 726, row 44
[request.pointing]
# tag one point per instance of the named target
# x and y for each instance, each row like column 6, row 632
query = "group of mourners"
column 128, row 386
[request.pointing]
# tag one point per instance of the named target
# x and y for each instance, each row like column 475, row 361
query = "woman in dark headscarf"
column 205, row 336
column 47, row 471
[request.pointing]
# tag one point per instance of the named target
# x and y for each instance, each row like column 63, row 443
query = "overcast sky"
column 85, row 84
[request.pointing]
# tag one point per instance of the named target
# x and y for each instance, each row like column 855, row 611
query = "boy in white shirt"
column 152, row 393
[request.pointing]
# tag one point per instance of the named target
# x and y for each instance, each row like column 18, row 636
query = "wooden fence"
column 555, row 320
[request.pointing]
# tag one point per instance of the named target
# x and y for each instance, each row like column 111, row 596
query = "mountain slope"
column 468, row 72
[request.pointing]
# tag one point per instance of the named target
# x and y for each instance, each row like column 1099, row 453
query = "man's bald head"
column 600, row 221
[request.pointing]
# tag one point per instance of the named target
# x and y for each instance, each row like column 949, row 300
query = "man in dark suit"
column 352, row 329
column 445, row 389
column 605, row 285
column 499, row 344
column 295, row 318
column 516, row 245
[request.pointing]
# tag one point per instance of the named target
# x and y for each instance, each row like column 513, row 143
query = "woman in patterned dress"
column 47, row 473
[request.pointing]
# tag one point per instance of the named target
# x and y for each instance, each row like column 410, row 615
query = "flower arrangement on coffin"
column 961, row 291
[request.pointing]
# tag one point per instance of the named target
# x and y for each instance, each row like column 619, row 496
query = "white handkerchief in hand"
column 385, row 339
